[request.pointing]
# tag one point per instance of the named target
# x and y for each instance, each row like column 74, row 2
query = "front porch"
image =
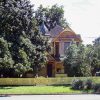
column 55, row 69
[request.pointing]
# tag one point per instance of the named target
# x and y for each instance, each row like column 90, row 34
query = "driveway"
column 51, row 97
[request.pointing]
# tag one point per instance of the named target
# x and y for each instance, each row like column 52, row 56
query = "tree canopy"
column 22, row 47
column 51, row 16
column 81, row 60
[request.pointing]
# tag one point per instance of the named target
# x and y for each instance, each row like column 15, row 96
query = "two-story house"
column 60, row 39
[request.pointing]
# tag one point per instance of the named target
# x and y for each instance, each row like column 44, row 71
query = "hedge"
column 44, row 81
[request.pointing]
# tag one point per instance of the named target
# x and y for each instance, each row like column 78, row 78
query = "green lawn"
column 37, row 90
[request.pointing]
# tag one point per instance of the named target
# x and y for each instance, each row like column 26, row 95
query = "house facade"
column 60, row 39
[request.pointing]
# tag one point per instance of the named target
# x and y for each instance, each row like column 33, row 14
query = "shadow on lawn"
column 6, row 87
column 4, row 96
column 57, row 85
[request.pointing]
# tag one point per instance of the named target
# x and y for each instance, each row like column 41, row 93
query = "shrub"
column 88, row 84
column 77, row 84
column 96, row 88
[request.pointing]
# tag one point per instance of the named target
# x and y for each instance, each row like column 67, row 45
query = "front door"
column 49, row 70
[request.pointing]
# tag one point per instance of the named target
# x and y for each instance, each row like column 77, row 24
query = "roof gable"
column 67, row 33
column 55, row 31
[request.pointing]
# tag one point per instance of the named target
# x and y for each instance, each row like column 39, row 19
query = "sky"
column 83, row 16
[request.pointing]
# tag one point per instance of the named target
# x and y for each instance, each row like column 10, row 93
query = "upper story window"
column 66, row 45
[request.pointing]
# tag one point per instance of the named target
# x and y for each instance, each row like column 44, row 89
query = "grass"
column 38, row 90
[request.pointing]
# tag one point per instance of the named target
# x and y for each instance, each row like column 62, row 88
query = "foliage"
column 6, row 61
column 96, row 58
column 97, row 50
column 51, row 16
column 81, row 59
column 22, row 47
column 70, row 62
column 96, row 88
column 74, row 62
column 88, row 84
column 86, row 70
column 77, row 84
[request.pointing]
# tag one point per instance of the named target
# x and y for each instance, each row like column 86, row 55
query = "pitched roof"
column 68, row 33
column 43, row 28
column 68, row 29
column 55, row 31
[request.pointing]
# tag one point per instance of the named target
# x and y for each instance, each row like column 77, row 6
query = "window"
column 66, row 45
column 58, row 70
column 57, row 49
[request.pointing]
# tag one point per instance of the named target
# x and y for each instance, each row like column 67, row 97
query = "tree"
column 95, row 63
column 6, row 61
column 71, row 63
column 25, row 45
column 51, row 16
column 96, row 42
column 77, row 61
column 97, row 46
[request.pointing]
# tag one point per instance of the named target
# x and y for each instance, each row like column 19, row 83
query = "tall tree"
column 51, row 16
column 77, row 61
column 71, row 60
column 96, row 58
column 25, row 45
